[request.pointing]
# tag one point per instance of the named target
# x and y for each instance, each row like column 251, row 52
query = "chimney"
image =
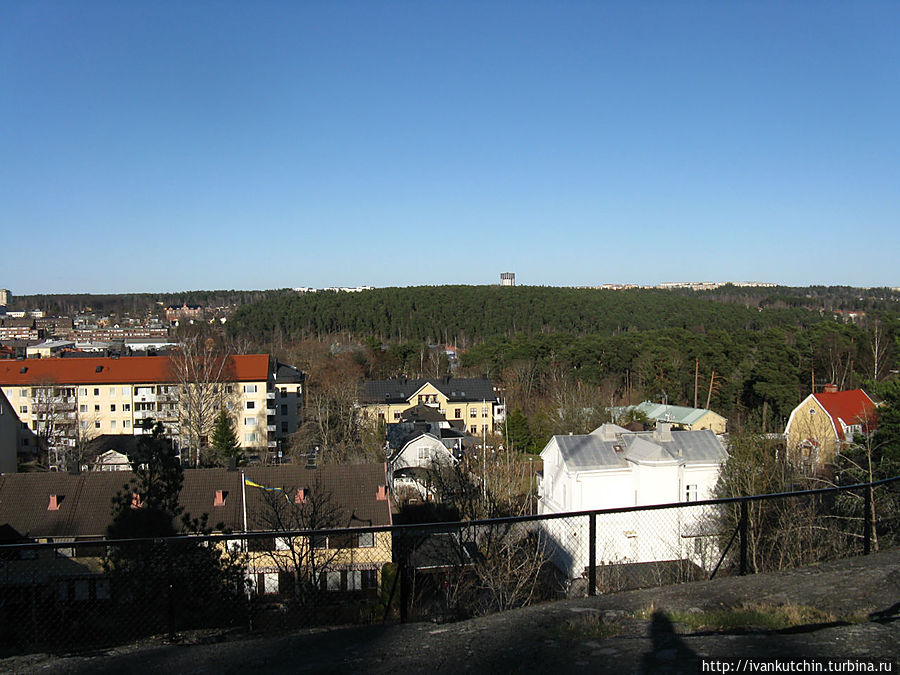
column 663, row 431
column 381, row 493
column 221, row 496
column 300, row 497
column 54, row 502
column 831, row 388
column 136, row 502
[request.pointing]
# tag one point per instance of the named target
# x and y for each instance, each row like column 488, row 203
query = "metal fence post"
column 592, row 554
column 170, row 593
column 404, row 591
column 743, row 527
column 867, row 521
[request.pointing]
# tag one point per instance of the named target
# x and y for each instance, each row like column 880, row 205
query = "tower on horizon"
column 507, row 278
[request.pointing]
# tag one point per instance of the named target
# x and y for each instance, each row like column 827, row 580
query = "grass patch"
column 744, row 617
column 749, row 616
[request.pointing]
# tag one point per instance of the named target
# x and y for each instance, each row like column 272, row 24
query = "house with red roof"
column 825, row 421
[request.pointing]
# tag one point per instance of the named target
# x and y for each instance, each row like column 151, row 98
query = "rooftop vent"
column 98, row 369
column 617, row 448
column 23, row 369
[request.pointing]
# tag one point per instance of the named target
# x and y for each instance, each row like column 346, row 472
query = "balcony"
column 145, row 414
column 270, row 427
column 270, row 395
column 146, row 398
column 272, row 444
column 270, row 411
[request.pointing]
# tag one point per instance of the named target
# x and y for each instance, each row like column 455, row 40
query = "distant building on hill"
column 508, row 279
column 5, row 297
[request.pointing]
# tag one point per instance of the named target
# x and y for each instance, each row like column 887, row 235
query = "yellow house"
column 823, row 422
column 690, row 419
column 470, row 400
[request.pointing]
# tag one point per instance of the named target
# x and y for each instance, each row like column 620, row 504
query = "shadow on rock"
column 668, row 653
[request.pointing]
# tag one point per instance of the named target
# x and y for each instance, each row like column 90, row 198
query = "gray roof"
column 287, row 374
column 399, row 390
column 598, row 451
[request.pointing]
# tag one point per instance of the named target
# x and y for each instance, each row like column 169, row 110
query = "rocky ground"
column 848, row 609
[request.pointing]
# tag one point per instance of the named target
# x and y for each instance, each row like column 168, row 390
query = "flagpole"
column 246, row 543
column 244, row 500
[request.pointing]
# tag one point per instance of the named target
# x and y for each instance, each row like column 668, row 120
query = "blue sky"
column 161, row 146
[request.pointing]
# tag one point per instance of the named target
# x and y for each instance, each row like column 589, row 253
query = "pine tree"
column 224, row 440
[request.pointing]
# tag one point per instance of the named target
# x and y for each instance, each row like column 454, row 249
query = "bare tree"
column 304, row 557
column 202, row 372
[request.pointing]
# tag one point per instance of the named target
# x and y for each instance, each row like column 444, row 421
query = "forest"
column 563, row 355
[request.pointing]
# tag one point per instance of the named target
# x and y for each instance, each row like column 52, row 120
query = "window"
column 367, row 540
column 424, row 453
column 473, row 412
column 126, row 407
column 249, row 421
column 396, row 416
column 368, row 579
column 125, row 391
column 283, row 392
column 252, row 437
column 23, row 409
column 97, row 424
column 473, row 429
column 229, row 389
column 484, row 428
column 690, row 493
column 457, row 413
column 319, row 541
column 112, row 407
column 284, row 411
column 82, row 391
column 229, row 405
column 96, row 391
column 250, row 405
column 24, row 393
column 82, row 408
column 112, row 424
column 284, row 427
column 126, row 423
column 112, row 392
column 249, row 388
column 84, row 424
column 484, row 412
column 96, row 407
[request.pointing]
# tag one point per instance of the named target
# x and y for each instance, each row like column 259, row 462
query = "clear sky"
column 171, row 145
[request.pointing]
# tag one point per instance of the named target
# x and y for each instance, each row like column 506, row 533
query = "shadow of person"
column 668, row 653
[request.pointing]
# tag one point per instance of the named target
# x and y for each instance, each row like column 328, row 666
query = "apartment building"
column 471, row 401
column 63, row 402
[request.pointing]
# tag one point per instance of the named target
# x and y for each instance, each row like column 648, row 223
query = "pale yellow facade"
column 811, row 436
column 711, row 420
column 478, row 416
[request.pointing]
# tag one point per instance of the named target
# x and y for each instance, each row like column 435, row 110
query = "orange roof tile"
column 125, row 370
column 851, row 407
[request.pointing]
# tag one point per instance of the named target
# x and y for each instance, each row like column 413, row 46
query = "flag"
column 250, row 483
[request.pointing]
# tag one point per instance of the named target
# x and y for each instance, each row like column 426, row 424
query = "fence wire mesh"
column 73, row 595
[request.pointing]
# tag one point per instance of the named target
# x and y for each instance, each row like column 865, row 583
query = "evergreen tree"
column 224, row 440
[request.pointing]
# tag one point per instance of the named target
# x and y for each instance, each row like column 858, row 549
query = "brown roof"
column 106, row 370
column 85, row 500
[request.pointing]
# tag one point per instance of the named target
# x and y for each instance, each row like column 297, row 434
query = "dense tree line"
column 136, row 304
column 466, row 315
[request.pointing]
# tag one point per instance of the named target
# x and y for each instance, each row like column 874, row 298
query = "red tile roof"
column 850, row 407
column 125, row 370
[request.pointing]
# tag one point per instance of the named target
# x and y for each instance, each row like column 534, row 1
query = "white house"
column 409, row 466
column 613, row 468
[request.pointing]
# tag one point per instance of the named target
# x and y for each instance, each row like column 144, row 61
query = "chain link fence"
column 76, row 595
